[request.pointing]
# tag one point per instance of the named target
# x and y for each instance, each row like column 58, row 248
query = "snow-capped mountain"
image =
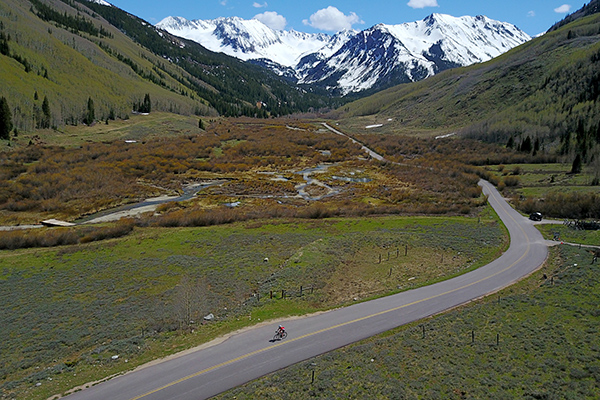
column 352, row 61
column 246, row 39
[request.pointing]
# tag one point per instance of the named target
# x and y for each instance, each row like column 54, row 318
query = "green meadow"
column 66, row 311
column 535, row 340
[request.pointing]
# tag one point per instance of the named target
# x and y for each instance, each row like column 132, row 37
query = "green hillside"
column 546, row 89
column 71, row 51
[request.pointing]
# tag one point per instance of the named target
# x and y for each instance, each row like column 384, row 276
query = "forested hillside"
column 59, row 58
column 539, row 97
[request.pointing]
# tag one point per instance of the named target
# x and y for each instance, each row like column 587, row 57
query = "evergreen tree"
column 4, row 48
column 147, row 104
column 577, row 164
column 526, row 145
column 511, row 142
column 91, row 114
column 46, row 113
column 6, row 124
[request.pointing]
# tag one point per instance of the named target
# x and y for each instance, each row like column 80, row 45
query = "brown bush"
column 563, row 205
column 511, row 181
column 122, row 228
column 20, row 239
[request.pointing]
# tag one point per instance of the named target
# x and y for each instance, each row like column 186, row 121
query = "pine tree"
column 576, row 168
column 526, row 145
column 46, row 113
column 6, row 124
column 4, row 48
column 510, row 143
column 91, row 114
column 146, row 105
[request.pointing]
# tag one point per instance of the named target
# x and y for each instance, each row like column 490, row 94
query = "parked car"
column 536, row 216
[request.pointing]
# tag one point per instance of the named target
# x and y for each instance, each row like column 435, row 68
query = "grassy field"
column 539, row 179
column 569, row 235
column 550, row 189
column 66, row 311
column 535, row 340
column 137, row 127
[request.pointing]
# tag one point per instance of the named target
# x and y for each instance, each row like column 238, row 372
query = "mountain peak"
column 174, row 23
column 101, row 2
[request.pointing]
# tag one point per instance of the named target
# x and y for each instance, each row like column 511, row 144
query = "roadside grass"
column 539, row 179
column 535, row 340
column 563, row 233
column 548, row 188
column 65, row 312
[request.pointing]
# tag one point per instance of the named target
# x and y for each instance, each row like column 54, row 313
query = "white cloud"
column 223, row 2
column 531, row 14
column 258, row 5
column 272, row 20
column 332, row 19
column 422, row 3
column 565, row 8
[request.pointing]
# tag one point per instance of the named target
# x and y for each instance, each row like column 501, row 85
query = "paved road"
column 365, row 148
column 249, row 355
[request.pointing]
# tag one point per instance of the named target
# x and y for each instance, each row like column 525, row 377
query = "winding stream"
column 147, row 205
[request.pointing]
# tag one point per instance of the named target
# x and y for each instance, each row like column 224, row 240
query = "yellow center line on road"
column 204, row 371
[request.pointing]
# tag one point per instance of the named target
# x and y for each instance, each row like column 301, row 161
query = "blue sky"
column 532, row 16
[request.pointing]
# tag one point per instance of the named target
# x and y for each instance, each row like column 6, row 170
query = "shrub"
column 123, row 227
column 19, row 239
column 511, row 181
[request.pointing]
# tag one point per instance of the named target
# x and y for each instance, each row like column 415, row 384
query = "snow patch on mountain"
column 101, row 2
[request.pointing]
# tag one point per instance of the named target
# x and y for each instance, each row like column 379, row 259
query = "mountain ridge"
column 72, row 51
column 545, row 91
column 404, row 52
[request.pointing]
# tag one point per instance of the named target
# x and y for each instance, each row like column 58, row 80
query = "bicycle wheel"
column 283, row 335
column 276, row 337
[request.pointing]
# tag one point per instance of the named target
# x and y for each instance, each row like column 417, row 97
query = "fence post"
column 313, row 377
column 300, row 290
column 271, row 294
column 405, row 249
column 472, row 336
column 283, row 293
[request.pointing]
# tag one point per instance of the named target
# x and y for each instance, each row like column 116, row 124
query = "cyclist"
column 280, row 333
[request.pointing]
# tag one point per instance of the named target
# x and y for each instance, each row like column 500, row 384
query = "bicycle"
column 280, row 335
